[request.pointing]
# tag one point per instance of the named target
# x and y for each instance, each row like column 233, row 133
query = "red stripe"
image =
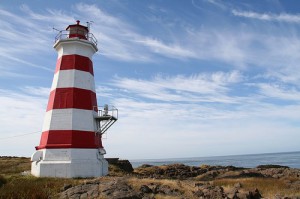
column 62, row 98
column 78, row 62
column 70, row 139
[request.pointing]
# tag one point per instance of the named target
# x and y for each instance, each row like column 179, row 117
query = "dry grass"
column 115, row 171
column 32, row 187
column 268, row 187
column 13, row 165
column 186, row 187
column 14, row 185
column 161, row 196
column 137, row 183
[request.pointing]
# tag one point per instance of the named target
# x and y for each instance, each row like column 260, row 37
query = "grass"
column 32, row 187
column 268, row 187
column 2, row 181
column 14, row 185
column 13, row 165
column 115, row 171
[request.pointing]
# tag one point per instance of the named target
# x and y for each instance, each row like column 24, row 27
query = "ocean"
column 290, row 159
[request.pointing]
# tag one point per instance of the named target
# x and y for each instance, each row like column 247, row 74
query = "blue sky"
column 190, row 78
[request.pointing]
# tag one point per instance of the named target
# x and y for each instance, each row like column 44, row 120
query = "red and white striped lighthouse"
column 70, row 144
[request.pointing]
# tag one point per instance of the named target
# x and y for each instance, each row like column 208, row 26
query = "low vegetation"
column 161, row 182
column 268, row 187
column 16, row 184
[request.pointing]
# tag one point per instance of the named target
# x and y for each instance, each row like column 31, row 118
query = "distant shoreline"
column 291, row 159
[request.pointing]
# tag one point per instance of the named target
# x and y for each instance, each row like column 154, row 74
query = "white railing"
column 107, row 110
column 105, row 117
column 63, row 34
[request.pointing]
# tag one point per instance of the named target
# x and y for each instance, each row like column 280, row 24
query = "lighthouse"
column 71, row 140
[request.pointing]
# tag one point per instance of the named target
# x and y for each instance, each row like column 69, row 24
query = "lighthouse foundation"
column 69, row 163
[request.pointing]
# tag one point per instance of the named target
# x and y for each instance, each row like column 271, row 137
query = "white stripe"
column 73, row 78
column 69, row 119
column 75, row 47
column 70, row 154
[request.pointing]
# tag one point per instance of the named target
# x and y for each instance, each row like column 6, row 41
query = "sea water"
column 290, row 159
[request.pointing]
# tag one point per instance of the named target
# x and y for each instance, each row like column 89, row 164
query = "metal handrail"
column 110, row 111
column 63, row 34
column 105, row 117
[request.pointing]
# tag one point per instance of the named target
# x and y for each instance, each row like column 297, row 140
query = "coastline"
column 150, row 182
column 290, row 159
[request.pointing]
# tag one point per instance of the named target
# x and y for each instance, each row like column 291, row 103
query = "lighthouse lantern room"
column 71, row 140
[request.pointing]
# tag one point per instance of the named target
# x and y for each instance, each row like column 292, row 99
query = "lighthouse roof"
column 77, row 25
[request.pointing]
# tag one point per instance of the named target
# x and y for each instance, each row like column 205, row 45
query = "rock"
column 125, row 165
column 198, row 193
column 198, row 179
column 235, row 196
column 167, row 190
column 254, row 194
column 210, row 175
column 146, row 166
column 145, row 189
column 153, row 187
column 279, row 172
column 269, row 166
column 65, row 187
column 199, row 184
column 80, row 191
column 84, row 196
column 210, row 191
column 112, row 160
column 174, row 171
column 118, row 189
column 26, row 173
column 242, row 174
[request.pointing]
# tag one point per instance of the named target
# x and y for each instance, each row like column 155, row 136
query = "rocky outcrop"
column 174, row 171
column 116, row 188
column 121, row 165
column 120, row 188
column 181, row 181
column 208, row 173
column 89, row 189
column 210, row 191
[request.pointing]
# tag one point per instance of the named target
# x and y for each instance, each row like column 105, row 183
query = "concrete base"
column 69, row 163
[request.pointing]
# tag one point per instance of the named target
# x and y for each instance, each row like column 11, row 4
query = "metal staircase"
column 106, row 116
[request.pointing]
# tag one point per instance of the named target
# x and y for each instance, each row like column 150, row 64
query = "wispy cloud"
column 216, row 92
column 127, row 43
column 198, row 87
column 22, row 37
column 173, row 50
column 121, row 40
column 282, row 17
column 279, row 91
column 20, row 113
column 173, row 108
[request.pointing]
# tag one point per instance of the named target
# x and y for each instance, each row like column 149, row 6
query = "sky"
column 190, row 78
